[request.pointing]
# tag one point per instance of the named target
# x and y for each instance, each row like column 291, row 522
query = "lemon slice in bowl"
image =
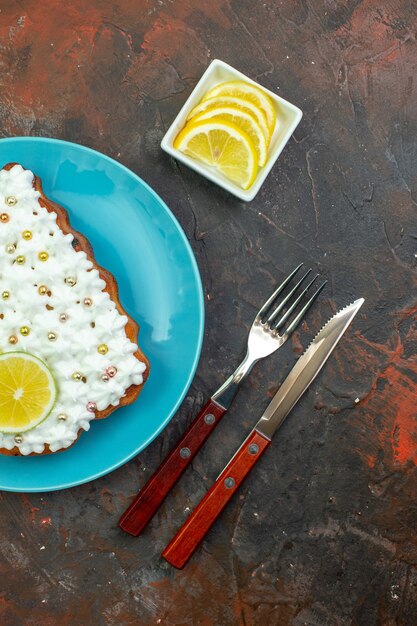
column 222, row 145
column 247, row 92
column 27, row 392
column 243, row 120
column 244, row 105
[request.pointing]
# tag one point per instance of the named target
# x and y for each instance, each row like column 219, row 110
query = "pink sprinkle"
column 111, row 371
column 91, row 406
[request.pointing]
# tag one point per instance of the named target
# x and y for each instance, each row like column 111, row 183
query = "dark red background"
column 324, row 531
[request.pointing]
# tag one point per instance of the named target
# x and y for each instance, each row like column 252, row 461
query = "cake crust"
column 81, row 243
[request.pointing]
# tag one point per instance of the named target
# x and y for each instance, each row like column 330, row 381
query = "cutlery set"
column 274, row 323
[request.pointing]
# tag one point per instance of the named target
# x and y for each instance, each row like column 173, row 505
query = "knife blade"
column 306, row 369
column 185, row 542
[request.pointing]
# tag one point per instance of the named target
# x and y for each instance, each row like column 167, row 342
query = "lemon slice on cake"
column 27, row 392
column 249, row 92
column 220, row 144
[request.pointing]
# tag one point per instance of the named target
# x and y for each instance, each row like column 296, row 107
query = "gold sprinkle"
column 42, row 290
column 18, row 439
column 62, row 417
column 5, row 295
column 43, row 256
column 27, row 235
column 77, row 376
column 20, row 259
column 88, row 301
column 102, row 348
column 11, row 200
column 51, row 336
column 71, row 281
column 10, row 248
column 4, row 218
column 25, row 330
column 13, row 339
column 63, row 317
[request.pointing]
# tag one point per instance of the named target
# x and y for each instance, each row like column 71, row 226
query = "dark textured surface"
column 324, row 531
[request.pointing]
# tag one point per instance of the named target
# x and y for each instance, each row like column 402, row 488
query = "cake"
column 60, row 307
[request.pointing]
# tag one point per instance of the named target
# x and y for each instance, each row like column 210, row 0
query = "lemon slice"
column 248, row 92
column 244, row 105
column 223, row 145
column 27, row 392
column 244, row 121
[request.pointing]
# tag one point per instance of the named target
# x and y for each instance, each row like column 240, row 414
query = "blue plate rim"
column 196, row 272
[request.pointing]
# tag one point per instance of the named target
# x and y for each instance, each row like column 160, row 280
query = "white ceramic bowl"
column 288, row 118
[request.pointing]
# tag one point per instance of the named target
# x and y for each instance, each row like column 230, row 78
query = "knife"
column 182, row 546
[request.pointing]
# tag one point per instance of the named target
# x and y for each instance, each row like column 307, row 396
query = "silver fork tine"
column 263, row 338
column 291, row 328
column 285, row 300
column 286, row 315
column 276, row 293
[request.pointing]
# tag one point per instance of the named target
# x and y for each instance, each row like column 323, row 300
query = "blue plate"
column 136, row 237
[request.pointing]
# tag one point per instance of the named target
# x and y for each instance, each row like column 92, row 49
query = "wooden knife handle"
column 182, row 546
column 151, row 496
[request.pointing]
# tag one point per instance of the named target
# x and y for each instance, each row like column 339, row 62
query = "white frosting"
column 77, row 339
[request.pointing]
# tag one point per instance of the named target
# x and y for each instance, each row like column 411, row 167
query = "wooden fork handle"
column 151, row 496
column 182, row 546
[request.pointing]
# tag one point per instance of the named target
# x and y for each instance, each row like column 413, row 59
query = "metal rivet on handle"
column 229, row 482
column 253, row 448
column 209, row 418
column 185, row 453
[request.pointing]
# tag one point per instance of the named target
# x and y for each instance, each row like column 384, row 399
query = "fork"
column 264, row 339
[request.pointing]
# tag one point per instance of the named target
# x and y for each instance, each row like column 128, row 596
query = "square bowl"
column 288, row 118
